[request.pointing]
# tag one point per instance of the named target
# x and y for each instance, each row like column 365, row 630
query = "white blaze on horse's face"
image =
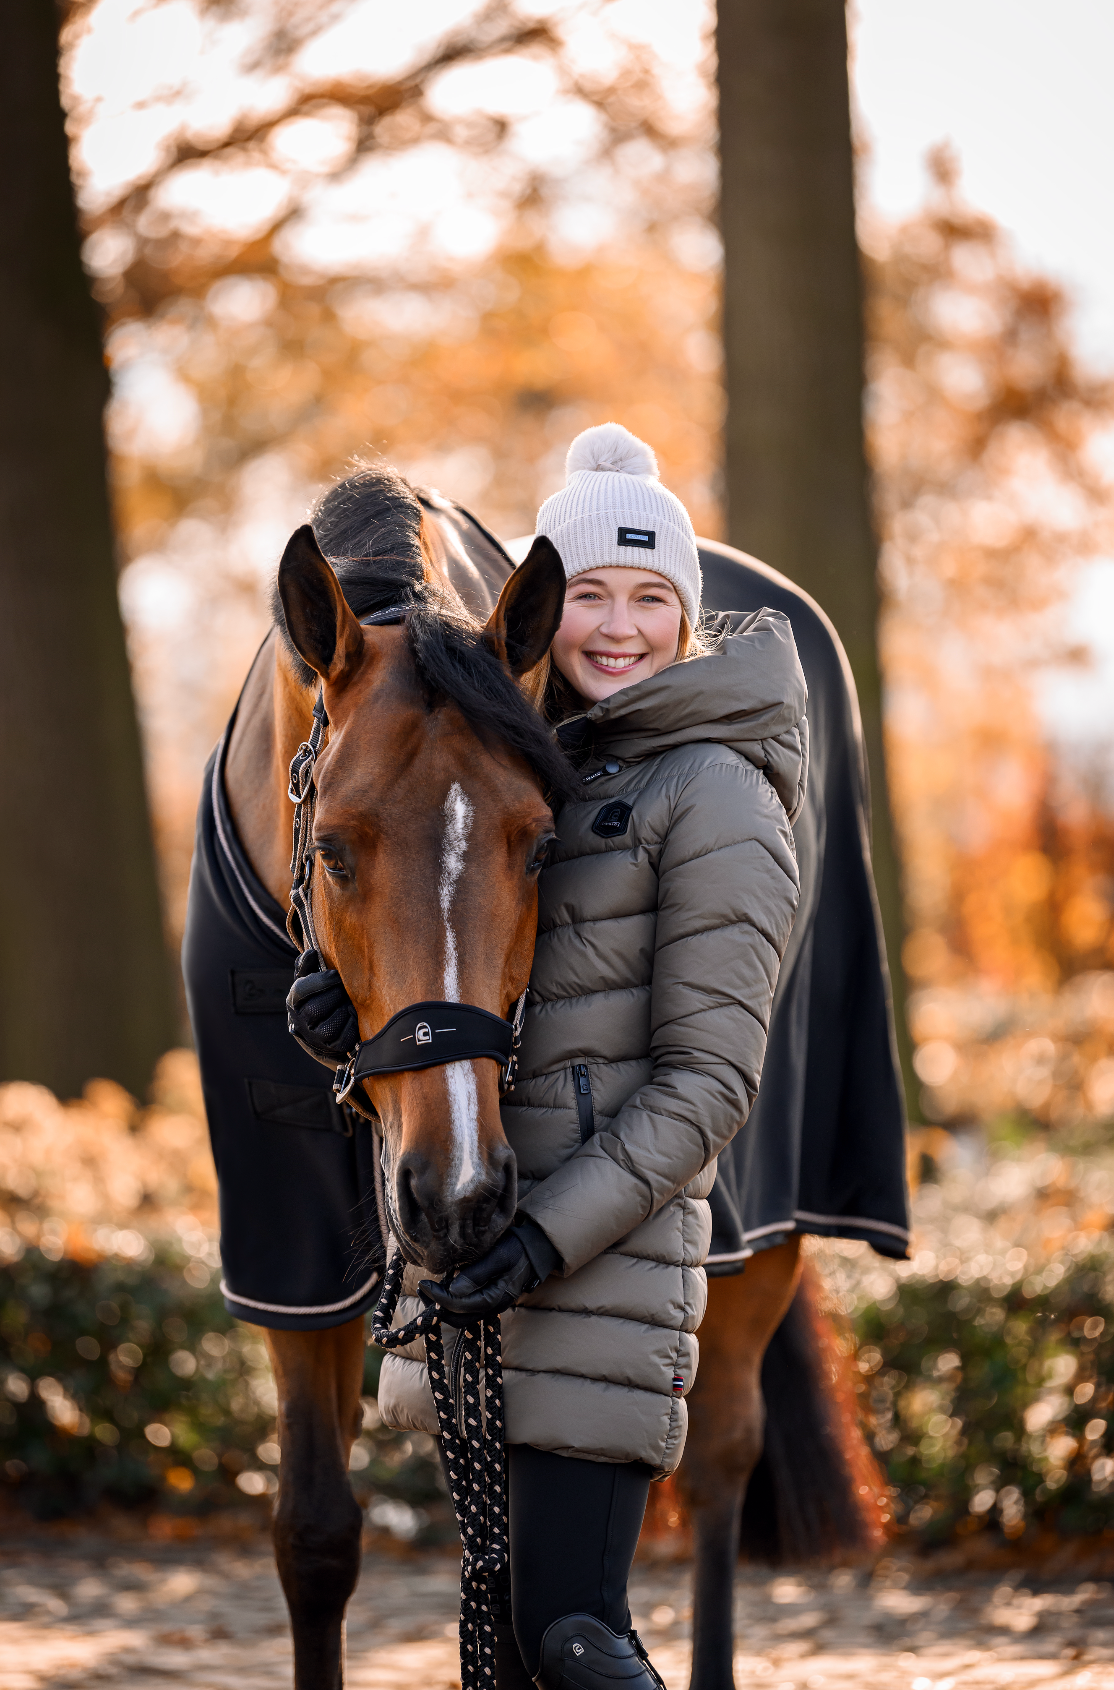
column 458, row 825
column 460, row 1077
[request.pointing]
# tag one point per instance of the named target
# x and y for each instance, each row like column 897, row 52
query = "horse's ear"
column 520, row 629
column 318, row 620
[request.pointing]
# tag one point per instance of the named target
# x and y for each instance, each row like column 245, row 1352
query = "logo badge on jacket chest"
column 612, row 820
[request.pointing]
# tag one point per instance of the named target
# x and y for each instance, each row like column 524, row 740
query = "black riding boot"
column 581, row 1653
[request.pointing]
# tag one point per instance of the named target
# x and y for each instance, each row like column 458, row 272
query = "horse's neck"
column 273, row 719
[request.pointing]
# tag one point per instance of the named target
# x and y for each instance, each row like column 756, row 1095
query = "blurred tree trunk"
column 797, row 492
column 84, row 975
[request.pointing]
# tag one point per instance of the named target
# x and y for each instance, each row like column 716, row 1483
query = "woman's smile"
column 615, row 662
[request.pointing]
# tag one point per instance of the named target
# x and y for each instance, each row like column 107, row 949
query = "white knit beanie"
column 613, row 510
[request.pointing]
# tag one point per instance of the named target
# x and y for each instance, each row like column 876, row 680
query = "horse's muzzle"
column 439, row 1230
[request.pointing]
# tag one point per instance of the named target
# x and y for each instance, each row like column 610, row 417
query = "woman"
column 664, row 909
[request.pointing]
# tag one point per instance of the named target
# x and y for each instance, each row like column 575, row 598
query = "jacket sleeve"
column 727, row 894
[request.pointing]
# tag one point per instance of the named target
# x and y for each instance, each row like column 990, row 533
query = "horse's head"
column 430, row 828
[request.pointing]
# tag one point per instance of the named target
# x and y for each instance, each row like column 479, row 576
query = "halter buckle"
column 509, row 1074
column 345, row 1078
column 301, row 773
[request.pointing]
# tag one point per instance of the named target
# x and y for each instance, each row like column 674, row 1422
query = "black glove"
column 319, row 1012
column 518, row 1263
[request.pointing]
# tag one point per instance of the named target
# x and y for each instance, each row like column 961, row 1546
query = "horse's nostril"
column 410, row 1176
column 508, row 1200
column 494, row 1212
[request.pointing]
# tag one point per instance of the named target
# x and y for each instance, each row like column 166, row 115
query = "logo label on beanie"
column 644, row 537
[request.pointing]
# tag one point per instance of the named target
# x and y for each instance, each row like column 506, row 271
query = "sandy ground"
column 126, row 1616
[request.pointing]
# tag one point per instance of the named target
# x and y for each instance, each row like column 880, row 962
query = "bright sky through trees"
column 1020, row 98
column 1022, row 90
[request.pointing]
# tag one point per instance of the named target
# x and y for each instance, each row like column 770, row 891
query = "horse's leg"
column 318, row 1522
column 726, row 1419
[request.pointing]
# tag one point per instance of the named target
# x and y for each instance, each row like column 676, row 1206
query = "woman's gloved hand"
column 319, row 1012
column 518, row 1263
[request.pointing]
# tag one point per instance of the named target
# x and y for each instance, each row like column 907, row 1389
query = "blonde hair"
column 544, row 684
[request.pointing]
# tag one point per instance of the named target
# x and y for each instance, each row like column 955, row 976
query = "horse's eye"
column 541, row 851
column 330, row 862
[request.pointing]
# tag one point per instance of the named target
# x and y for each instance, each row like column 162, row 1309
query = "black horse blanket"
column 300, row 1238
column 823, row 1150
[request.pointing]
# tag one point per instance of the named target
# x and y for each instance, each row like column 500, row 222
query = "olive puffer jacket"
column 664, row 910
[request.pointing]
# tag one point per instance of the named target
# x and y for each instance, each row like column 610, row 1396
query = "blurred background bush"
column 986, row 1362
column 123, row 1381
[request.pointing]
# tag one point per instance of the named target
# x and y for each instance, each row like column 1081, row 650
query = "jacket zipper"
column 582, row 1090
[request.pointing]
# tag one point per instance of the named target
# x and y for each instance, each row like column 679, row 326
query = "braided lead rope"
column 474, row 1461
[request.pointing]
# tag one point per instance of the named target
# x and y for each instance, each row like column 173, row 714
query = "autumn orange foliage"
column 252, row 367
column 982, row 425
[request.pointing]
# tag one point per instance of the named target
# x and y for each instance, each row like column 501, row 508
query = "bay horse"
column 399, row 745
column 432, row 818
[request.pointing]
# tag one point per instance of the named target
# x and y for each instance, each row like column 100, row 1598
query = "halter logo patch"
column 578, row 1648
column 422, row 1033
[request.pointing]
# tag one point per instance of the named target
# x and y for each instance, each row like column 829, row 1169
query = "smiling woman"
column 664, row 907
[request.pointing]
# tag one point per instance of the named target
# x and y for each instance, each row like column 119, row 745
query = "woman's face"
column 619, row 626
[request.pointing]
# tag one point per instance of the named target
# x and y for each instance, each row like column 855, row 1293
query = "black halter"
column 321, row 1015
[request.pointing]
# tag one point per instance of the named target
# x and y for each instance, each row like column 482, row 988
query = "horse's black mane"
column 369, row 528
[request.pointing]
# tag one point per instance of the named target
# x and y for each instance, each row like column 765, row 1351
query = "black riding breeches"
column 574, row 1527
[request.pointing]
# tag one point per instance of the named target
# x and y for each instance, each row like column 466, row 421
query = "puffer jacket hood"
column 748, row 694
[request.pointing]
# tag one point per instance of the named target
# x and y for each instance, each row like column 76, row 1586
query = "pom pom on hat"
column 610, row 446
column 613, row 511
